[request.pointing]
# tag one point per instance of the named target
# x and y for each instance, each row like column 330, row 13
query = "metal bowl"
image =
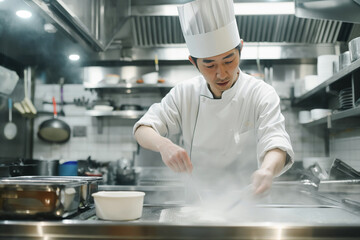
column 344, row 60
column 354, row 48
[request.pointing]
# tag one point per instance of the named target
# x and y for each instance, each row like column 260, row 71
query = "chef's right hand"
column 176, row 158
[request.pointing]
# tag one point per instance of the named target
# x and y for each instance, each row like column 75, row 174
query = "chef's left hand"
column 273, row 163
column 262, row 181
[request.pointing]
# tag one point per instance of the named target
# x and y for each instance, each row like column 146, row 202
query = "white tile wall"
column 115, row 142
column 346, row 147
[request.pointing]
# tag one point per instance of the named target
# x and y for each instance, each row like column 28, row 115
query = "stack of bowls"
column 346, row 98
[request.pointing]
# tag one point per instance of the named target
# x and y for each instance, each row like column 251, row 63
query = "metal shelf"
column 88, row 85
column 318, row 94
column 317, row 122
column 353, row 112
column 126, row 114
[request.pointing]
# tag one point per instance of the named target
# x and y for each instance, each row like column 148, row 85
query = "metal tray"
column 88, row 187
column 25, row 198
column 340, row 186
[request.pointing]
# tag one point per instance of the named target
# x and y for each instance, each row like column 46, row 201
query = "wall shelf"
column 335, row 116
column 88, row 85
column 317, row 96
column 125, row 114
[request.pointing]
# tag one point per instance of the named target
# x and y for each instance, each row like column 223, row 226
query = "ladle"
column 10, row 129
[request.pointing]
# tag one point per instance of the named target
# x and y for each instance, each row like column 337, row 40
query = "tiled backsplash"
column 346, row 147
column 116, row 140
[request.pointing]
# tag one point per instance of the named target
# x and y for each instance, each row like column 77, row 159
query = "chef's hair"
column 238, row 47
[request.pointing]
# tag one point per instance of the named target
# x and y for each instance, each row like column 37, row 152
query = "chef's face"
column 221, row 71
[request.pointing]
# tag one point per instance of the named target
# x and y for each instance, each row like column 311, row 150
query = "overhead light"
column 48, row 27
column 23, row 14
column 264, row 8
column 243, row 8
column 74, row 57
column 1, row 0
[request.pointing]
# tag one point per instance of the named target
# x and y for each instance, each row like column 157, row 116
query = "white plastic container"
column 304, row 117
column 151, row 78
column 311, row 81
column 119, row 205
column 327, row 65
column 318, row 113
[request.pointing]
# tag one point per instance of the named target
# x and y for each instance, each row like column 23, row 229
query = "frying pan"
column 54, row 130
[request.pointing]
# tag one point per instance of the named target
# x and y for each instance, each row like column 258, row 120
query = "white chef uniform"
column 225, row 138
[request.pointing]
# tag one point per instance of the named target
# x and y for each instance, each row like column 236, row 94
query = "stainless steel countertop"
column 166, row 223
column 311, row 216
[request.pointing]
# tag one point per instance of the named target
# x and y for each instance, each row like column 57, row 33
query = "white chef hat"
column 209, row 27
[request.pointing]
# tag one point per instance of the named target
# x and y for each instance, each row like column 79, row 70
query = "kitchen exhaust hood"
column 128, row 30
column 96, row 22
column 341, row 10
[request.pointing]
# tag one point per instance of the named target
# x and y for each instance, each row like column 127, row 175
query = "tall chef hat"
column 209, row 27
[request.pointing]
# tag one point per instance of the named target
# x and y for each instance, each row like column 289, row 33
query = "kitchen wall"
column 345, row 145
column 116, row 140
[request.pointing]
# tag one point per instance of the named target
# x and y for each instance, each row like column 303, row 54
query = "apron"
column 223, row 149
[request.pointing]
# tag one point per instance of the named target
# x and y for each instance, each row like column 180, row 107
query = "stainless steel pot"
column 134, row 107
column 344, row 60
column 29, row 198
column 44, row 167
column 354, row 48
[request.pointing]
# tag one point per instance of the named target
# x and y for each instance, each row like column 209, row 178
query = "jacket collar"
column 226, row 95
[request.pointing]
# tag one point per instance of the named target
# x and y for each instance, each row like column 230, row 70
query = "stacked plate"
column 346, row 98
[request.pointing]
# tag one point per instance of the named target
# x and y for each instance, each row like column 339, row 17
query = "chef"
column 230, row 123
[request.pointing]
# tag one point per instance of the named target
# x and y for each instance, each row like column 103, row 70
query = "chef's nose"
column 221, row 72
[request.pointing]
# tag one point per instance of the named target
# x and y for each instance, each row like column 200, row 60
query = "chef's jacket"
column 249, row 106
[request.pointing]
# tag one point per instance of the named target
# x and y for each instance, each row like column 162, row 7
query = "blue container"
column 69, row 168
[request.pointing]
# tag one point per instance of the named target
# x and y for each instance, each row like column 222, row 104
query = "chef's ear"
column 193, row 61
column 241, row 44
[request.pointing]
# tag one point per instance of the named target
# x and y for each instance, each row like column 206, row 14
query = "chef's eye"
column 229, row 62
column 210, row 66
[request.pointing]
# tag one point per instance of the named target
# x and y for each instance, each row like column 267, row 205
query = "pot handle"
column 54, row 104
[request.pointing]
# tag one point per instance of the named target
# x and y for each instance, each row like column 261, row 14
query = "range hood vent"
column 341, row 10
column 150, row 31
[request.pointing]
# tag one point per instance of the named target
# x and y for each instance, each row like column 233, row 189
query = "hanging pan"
column 54, row 130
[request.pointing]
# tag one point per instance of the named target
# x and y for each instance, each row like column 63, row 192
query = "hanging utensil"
column 62, row 80
column 156, row 63
column 54, row 130
column 26, row 103
column 10, row 129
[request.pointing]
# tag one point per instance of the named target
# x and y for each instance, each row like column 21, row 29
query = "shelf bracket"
column 100, row 125
column 330, row 91
column 328, row 118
